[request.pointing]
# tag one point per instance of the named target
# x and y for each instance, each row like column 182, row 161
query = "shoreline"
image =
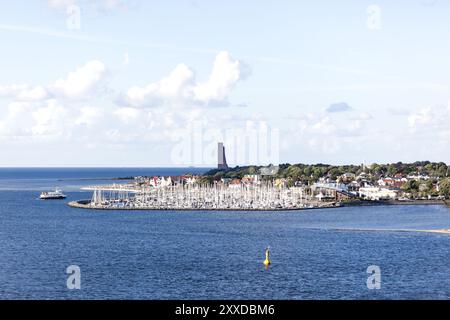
column 395, row 203
column 438, row 231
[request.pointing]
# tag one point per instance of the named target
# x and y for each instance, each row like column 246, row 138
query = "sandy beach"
column 446, row 231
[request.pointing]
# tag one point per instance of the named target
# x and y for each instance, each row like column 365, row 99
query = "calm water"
column 316, row 254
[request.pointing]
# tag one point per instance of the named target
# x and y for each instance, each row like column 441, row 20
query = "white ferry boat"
column 57, row 194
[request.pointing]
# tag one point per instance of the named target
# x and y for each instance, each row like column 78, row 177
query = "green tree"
column 294, row 172
column 444, row 187
column 442, row 170
column 412, row 186
column 317, row 172
column 392, row 170
column 252, row 170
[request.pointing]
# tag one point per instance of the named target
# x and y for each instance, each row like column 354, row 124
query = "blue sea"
column 316, row 254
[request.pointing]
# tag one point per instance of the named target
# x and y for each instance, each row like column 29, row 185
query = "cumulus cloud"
column 89, row 116
column 127, row 115
column 422, row 117
column 24, row 119
column 326, row 132
column 429, row 130
column 35, row 93
column 52, row 110
column 49, row 119
column 174, row 89
column 24, row 92
column 81, row 82
column 338, row 107
column 11, row 90
column 180, row 88
column 225, row 74
column 64, row 111
column 429, row 119
column 16, row 120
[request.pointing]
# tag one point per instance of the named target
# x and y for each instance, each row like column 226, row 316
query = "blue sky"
column 342, row 81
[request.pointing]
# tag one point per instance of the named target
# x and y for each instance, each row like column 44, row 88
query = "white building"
column 375, row 193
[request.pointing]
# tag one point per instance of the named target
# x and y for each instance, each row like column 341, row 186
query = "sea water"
column 316, row 254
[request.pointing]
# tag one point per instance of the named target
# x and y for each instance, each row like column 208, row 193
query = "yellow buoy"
column 267, row 261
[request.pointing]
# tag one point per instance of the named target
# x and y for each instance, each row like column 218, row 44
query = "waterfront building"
column 347, row 177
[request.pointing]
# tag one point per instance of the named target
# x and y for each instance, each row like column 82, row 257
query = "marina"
column 266, row 197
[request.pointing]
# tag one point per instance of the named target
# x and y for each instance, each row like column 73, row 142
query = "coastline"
column 439, row 231
column 395, row 203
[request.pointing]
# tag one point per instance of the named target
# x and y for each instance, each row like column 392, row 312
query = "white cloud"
column 49, row 119
column 16, row 120
column 225, row 74
column 174, row 89
column 430, row 121
column 89, row 116
column 24, row 92
column 52, row 110
column 11, row 90
column 422, row 117
column 127, row 115
column 33, row 94
column 180, row 89
column 80, row 83
column 328, row 133
column 34, row 119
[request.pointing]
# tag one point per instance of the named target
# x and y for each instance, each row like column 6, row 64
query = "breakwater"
column 87, row 204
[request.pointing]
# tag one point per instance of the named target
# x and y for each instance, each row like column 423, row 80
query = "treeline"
column 423, row 189
column 307, row 172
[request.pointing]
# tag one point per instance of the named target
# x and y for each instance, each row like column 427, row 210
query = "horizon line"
column 212, row 167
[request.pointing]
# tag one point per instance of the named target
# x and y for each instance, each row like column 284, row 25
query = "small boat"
column 57, row 194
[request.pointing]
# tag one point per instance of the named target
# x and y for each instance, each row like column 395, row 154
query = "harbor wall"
column 85, row 204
